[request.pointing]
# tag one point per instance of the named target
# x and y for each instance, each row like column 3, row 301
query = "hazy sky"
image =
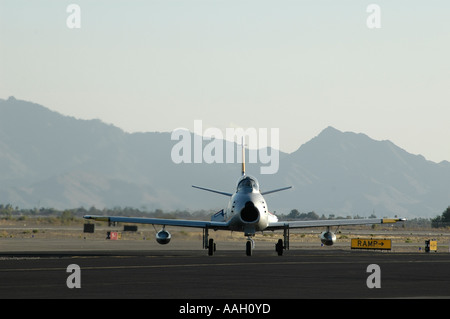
column 299, row 66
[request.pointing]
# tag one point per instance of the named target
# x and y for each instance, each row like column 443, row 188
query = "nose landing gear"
column 249, row 246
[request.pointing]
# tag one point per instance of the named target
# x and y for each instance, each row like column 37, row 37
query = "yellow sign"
column 430, row 245
column 433, row 245
column 371, row 243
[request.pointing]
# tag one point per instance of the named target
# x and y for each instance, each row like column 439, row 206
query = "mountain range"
column 51, row 160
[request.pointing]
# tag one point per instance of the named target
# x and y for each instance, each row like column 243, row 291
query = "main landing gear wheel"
column 211, row 247
column 279, row 247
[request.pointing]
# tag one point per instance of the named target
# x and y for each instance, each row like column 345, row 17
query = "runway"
column 229, row 274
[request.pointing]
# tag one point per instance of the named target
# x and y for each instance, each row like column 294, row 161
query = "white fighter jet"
column 247, row 212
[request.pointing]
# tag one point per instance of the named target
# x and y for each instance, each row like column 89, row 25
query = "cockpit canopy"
column 248, row 183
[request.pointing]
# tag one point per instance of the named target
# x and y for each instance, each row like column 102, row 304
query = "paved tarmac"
column 116, row 270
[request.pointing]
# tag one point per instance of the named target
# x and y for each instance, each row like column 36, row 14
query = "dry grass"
column 54, row 229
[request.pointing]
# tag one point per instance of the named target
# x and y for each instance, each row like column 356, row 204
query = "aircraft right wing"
column 161, row 221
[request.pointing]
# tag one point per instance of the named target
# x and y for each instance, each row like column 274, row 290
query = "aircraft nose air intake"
column 249, row 213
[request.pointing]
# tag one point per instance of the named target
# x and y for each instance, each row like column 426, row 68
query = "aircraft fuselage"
column 247, row 209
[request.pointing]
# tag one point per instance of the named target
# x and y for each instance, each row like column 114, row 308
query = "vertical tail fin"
column 243, row 157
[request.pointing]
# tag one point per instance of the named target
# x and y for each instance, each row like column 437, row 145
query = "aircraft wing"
column 335, row 222
column 161, row 221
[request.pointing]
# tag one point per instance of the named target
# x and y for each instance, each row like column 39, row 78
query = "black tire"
column 248, row 248
column 279, row 247
column 211, row 247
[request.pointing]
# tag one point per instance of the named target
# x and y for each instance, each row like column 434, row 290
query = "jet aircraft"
column 247, row 212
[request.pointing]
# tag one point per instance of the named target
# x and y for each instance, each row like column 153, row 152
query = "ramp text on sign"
column 370, row 243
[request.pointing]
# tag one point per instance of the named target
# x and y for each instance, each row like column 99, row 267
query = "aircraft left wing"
column 161, row 221
column 335, row 222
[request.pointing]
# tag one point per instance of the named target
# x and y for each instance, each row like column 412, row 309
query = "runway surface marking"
column 280, row 263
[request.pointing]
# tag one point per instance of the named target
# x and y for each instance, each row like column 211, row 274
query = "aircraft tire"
column 211, row 247
column 248, row 248
column 279, row 247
